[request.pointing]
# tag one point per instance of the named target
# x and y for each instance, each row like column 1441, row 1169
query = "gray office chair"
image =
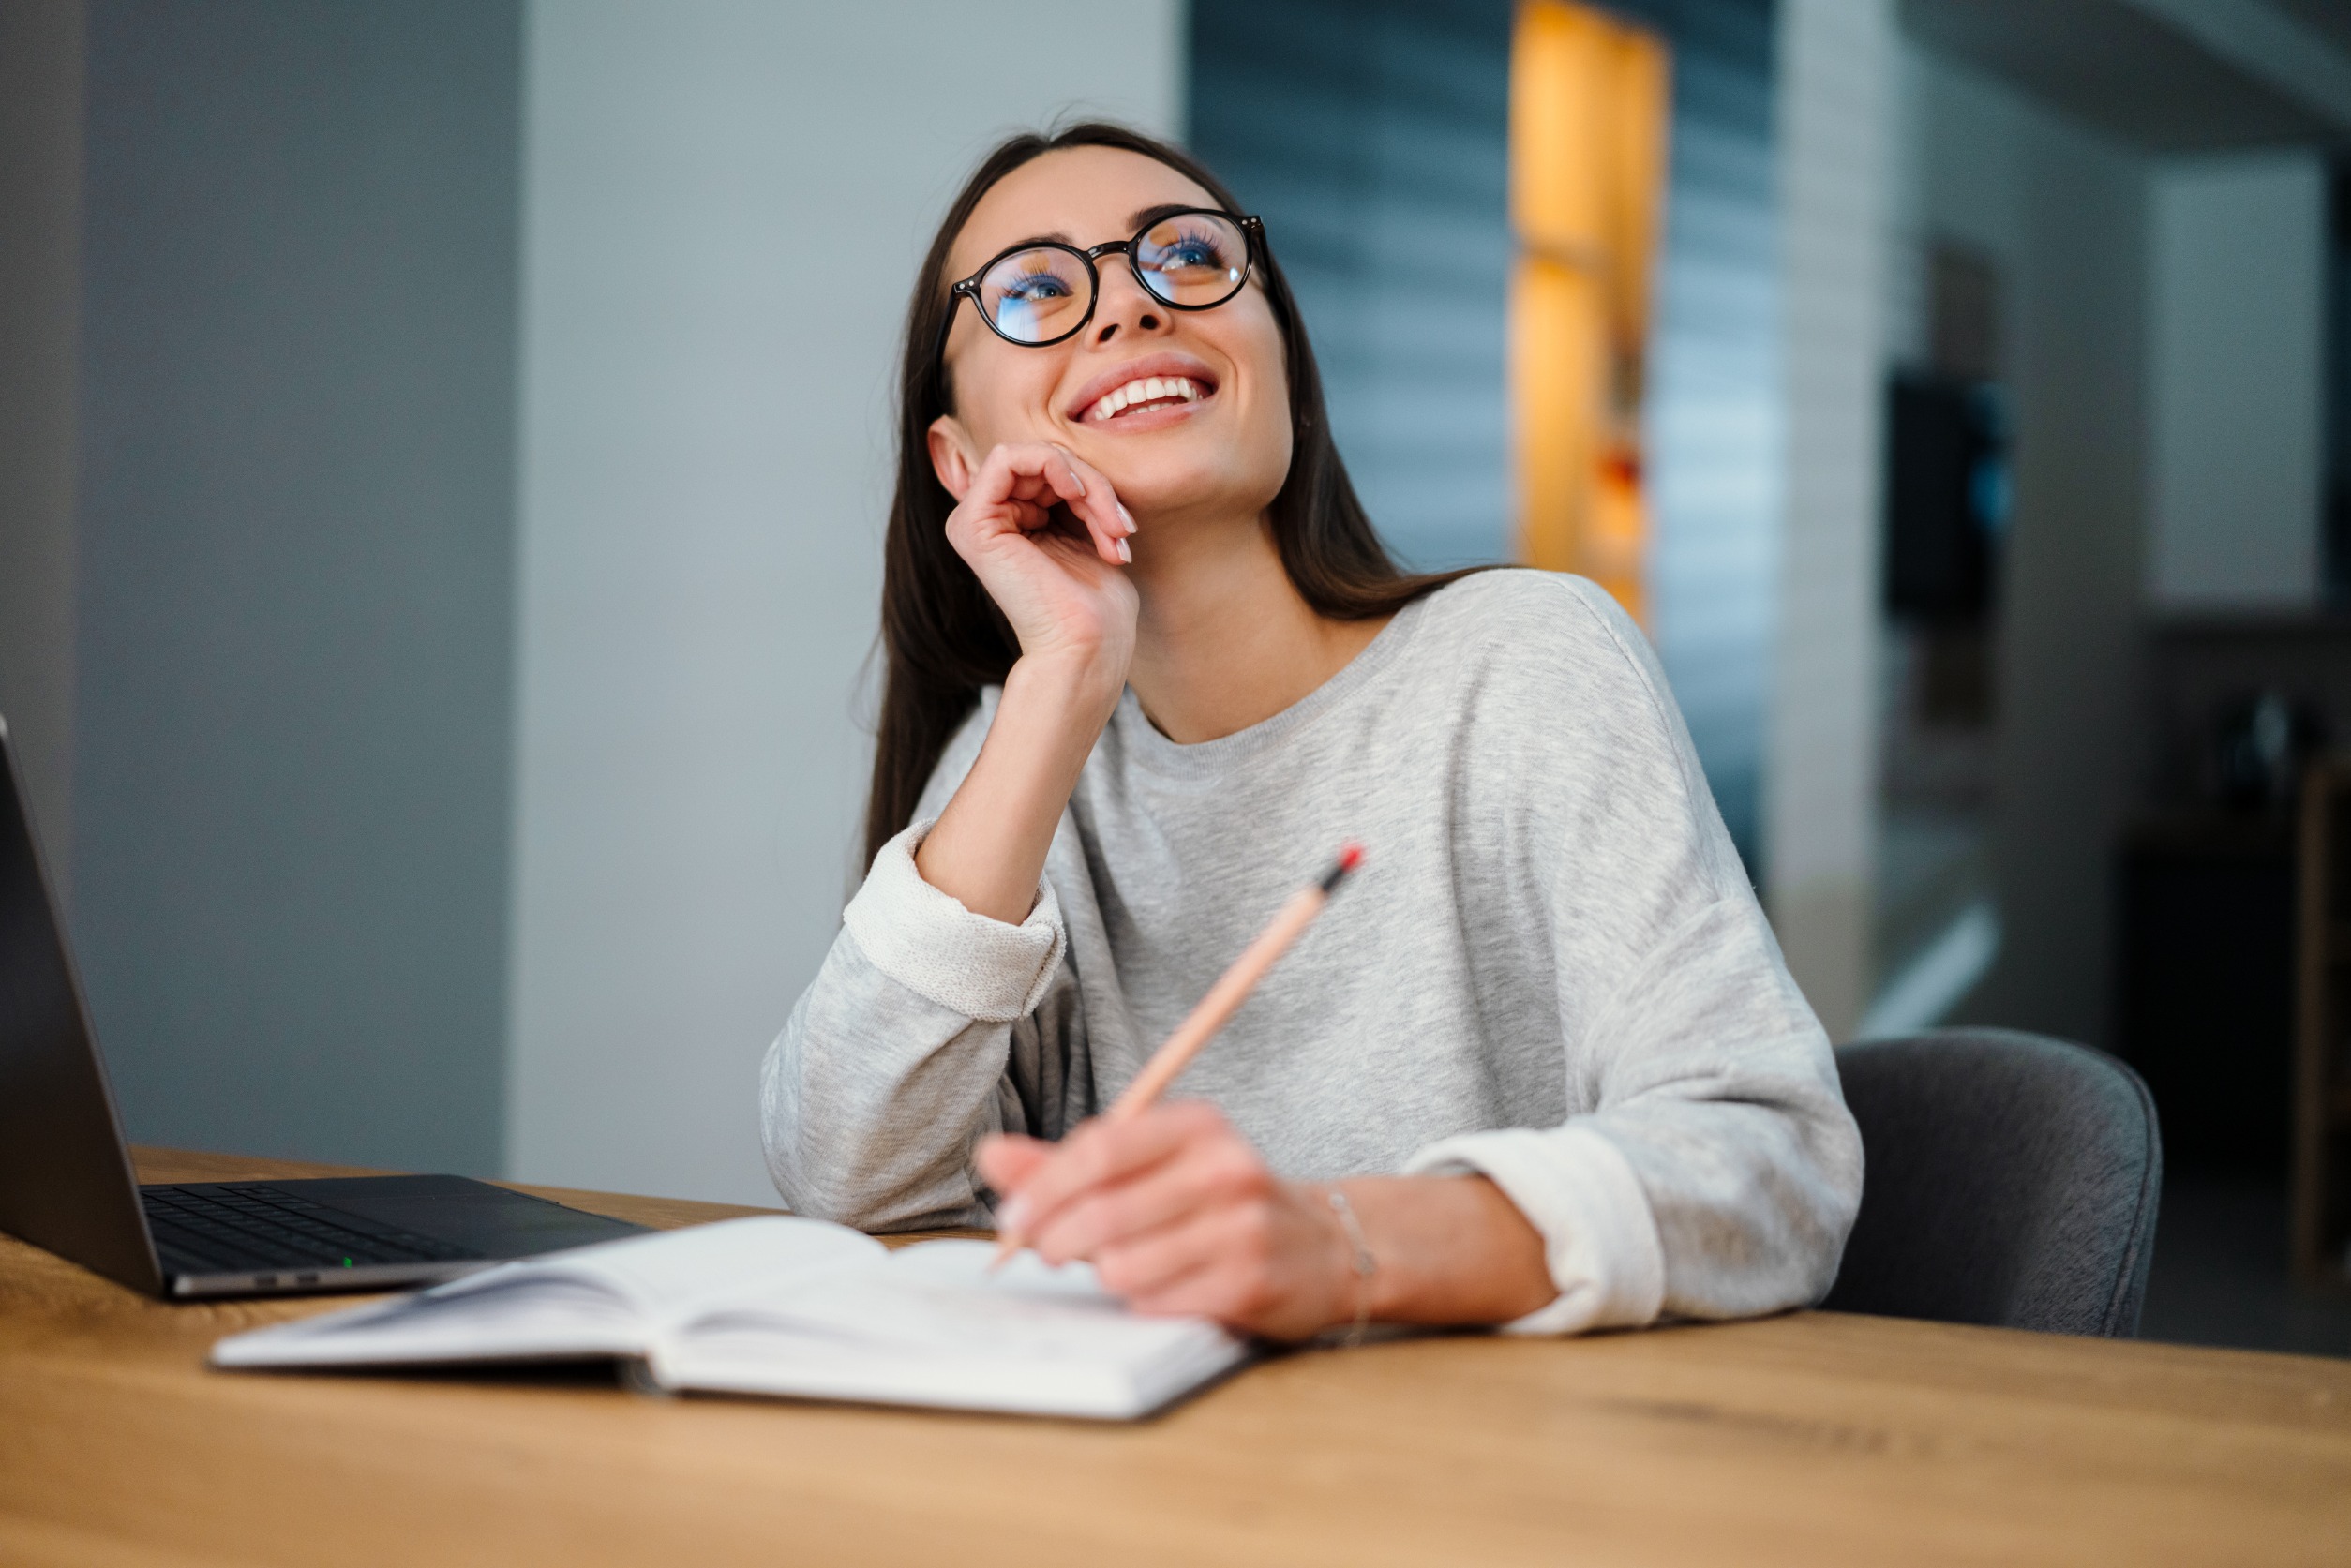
column 2011, row 1179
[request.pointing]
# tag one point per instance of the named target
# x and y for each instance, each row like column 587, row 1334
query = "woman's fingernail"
column 1014, row 1215
column 1126, row 516
column 1125, row 554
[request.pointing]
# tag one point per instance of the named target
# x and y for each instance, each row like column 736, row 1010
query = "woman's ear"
column 952, row 457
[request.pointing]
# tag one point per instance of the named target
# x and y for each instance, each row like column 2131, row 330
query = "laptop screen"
column 65, row 1179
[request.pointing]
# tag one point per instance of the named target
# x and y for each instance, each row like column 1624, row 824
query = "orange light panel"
column 1588, row 104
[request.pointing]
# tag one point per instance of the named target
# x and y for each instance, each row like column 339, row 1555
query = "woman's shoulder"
column 1520, row 599
column 1546, row 678
column 1518, row 622
column 1553, row 662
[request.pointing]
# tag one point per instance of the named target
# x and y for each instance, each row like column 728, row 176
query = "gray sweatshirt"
column 1551, row 970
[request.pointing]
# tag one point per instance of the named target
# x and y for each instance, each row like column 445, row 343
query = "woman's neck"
column 1222, row 640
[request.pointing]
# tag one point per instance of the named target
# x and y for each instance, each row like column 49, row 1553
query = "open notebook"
column 796, row 1308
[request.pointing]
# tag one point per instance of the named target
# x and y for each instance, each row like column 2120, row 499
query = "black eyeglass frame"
column 1252, row 234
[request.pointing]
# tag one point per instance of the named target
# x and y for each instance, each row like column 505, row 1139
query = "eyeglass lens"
column 1189, row 260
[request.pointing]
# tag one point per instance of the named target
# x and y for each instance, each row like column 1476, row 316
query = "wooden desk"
column 1813, row 1439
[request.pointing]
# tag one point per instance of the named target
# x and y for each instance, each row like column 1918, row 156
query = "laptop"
column 66, row 1177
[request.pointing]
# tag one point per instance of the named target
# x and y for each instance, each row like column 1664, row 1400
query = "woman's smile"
column 1149, row 393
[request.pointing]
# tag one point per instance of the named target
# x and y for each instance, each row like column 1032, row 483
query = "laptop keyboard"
column 236, row 1228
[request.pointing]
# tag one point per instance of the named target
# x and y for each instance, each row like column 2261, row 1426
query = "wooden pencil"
column 1223, row 1000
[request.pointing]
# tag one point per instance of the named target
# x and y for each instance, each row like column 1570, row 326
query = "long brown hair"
column 943, row 638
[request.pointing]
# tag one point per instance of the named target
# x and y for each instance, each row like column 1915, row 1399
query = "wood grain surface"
column 1810, row 1439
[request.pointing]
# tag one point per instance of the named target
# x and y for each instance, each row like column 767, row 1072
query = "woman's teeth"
column 1142, row 392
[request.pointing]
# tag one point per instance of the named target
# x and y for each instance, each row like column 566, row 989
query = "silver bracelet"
column 1366, row 1265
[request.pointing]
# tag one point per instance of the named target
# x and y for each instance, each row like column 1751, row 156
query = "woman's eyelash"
column 1031, row 288
column 1191, row 250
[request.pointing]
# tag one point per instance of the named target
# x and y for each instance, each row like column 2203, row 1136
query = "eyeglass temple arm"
column 939, row 349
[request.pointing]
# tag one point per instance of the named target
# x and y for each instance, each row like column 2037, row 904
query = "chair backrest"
column 2011, row 1179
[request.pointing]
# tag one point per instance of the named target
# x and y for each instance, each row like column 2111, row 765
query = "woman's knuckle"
column 1116, row 1269
column 1110, row 1214
column 1197, row 1114
column 1238, row 1169
column 1254, row 1295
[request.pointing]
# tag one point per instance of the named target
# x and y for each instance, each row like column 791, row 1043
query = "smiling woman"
column 1148, row 662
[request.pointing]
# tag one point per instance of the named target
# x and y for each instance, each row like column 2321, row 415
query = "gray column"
column 40, row 243
column 1837, row 83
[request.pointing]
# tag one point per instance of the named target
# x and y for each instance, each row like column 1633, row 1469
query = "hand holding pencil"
column 1160, row 1158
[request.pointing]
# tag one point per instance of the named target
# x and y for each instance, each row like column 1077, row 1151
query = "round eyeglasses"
column 1042, row 293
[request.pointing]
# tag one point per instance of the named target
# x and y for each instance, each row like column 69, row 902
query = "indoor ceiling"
column 2112, row 66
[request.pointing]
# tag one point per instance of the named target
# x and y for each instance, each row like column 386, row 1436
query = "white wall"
column 2237, row 346
column 1837, row 63
column 723, row 204
column 2063, row 214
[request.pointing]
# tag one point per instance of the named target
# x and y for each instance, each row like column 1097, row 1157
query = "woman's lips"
column 1147, row 392
column 1153, row 416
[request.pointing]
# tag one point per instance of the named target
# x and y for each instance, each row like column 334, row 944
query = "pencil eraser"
column 1350, row 856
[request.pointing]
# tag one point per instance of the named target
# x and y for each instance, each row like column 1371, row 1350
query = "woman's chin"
column 1152, row 491
column 1158, row 476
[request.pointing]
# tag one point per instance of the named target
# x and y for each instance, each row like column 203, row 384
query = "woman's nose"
column 1126, row 306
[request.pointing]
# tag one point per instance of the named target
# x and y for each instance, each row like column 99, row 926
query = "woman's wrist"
column 1354, row 1280
column 990, row 844
column 1448, row 1250
column 1083, row 686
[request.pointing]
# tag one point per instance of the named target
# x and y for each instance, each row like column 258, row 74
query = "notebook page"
column 671, row 1272
column 599, row 1300
column 933, row 1326
column 542, row 1317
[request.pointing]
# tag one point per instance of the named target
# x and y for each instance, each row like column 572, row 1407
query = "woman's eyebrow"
column 1055, row 237
column 1149, row 215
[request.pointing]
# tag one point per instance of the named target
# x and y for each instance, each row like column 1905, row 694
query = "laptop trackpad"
column 487, row 1219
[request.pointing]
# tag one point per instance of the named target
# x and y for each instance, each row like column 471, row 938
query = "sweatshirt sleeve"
column 1721, row 1170
column 926, row 1028
column 893, row 1063
column 1717, row 1171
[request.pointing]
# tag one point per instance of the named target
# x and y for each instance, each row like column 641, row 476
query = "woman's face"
column 1224, row 448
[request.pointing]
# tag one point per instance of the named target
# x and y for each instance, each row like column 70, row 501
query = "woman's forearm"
column 988, row 848
column 1179, row 1214
column 1449, row 1250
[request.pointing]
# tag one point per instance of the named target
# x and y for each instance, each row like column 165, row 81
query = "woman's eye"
column 1189, row 253
column 1032, row 281
column 1035, row 288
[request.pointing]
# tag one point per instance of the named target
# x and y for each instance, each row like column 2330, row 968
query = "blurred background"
column 444, row 450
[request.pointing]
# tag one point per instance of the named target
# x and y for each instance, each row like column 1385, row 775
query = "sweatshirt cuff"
column 1579, row 1192
column 929, row 942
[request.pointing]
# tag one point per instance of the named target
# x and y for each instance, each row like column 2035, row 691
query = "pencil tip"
column 1350, row 856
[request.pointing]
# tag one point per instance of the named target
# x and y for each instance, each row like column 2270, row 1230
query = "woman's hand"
column 1047, row 538
column 1058, row 579
column 1179, row 1214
